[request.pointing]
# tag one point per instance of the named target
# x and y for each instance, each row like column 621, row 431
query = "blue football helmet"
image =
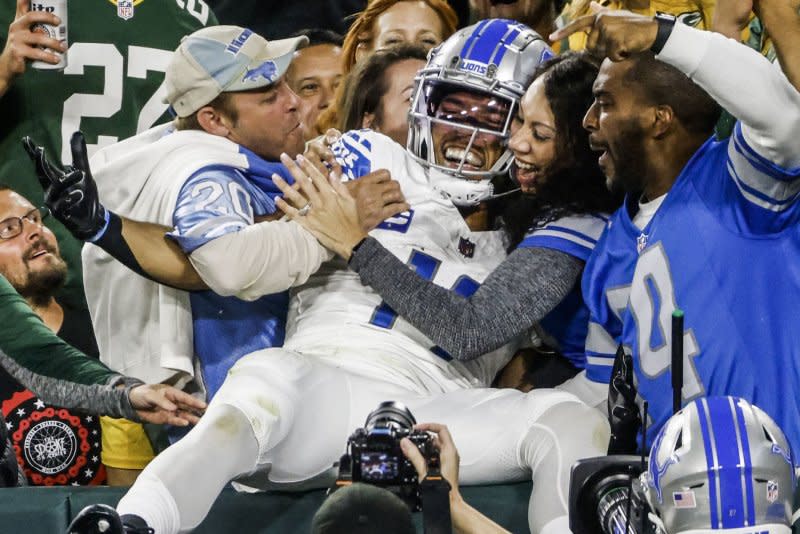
column 720, row 465
column 470, row 89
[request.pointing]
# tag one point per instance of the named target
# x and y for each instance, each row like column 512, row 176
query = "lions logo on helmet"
column 464, row 102
column 721, row 465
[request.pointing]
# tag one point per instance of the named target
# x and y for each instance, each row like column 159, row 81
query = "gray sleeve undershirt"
column 108, row 399
column 518, row 293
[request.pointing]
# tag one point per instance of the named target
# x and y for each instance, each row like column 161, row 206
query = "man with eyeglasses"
column 31, row 262
column 52, row 444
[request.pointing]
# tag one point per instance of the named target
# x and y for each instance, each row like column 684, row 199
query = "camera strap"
column 434, row 492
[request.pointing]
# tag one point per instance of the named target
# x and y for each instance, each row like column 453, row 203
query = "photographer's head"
column 363, row 509
column 230, row 82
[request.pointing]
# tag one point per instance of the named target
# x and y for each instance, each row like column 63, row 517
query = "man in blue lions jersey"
column 708, row 227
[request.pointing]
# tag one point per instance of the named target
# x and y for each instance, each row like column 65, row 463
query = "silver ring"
column 302, row 212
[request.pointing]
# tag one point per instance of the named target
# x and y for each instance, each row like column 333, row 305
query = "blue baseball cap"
column 222, row 59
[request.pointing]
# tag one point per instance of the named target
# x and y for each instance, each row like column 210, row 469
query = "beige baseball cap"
column 220, row 59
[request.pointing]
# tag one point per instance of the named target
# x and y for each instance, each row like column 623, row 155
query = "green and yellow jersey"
column 111, row 89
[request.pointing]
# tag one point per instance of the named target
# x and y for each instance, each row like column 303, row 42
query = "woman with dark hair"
column 553, row 226
column 554, row 165
column 377, row 94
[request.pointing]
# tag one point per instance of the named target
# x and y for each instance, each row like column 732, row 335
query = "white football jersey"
column 347, row 323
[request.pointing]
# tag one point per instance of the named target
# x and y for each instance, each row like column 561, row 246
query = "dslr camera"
column 374, row 455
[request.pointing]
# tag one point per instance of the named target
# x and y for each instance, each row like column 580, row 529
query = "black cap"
column 363, row 509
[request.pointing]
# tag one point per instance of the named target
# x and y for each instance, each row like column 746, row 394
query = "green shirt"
column 26, row 340
column 111, row 89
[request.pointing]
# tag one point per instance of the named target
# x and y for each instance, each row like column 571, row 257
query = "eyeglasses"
column 12, row 226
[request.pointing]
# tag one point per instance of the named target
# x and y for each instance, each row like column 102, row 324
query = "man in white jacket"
column 195, row 179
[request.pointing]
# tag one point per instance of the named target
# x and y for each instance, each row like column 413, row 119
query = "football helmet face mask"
column 464, row 102
column 720, row 465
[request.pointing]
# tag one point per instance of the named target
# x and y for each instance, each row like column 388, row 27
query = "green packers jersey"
column 111, row 89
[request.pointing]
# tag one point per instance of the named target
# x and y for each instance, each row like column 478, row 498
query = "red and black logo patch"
column 53, row 445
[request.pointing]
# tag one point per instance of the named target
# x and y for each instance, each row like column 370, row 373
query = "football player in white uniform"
column 282, row 416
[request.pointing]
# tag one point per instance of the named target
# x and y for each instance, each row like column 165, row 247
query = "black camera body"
column 374, row 455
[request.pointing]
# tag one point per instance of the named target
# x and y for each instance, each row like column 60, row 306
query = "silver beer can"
column 58, row 8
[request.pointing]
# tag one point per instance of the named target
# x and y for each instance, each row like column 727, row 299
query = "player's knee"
column 581, row 431
column 222, row 423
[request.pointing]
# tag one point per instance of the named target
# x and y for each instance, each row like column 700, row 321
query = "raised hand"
column 70, row 193
column 320, row 147
column 325, row 208
column 448, row 454
column 24, row 45
column 614, row 34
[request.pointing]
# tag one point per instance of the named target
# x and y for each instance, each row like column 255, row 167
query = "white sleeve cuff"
column 258, row 260
column 685, row 48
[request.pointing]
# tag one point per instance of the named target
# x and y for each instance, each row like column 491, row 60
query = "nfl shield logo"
column 772, row 491
column 641, row 243
column 466, row 247
column 125, row 9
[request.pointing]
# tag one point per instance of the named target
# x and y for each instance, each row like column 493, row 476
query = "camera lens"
column 390, row 414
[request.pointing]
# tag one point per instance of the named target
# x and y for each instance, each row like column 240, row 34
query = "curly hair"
column 575, row 183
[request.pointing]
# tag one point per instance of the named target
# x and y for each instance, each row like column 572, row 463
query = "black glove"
column 70, row 193
column 623, row 412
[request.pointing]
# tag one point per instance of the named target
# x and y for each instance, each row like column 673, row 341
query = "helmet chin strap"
column 465, row 193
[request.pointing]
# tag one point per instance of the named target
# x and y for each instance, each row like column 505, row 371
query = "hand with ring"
column 334, row 220
column 342, row 214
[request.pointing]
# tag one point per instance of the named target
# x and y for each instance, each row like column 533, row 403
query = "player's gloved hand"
column 70, row 193
column 623, row 412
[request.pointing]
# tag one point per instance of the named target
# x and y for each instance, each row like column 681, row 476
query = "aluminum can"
column 58, row 8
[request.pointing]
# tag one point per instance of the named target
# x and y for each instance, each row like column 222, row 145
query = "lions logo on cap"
column 266, row 70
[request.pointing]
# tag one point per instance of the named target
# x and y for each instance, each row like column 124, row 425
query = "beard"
column 628, row 158
column 41, row 284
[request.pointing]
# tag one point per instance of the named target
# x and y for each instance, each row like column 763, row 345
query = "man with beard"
column 31, row 262
column 34, row 267
column 708, row 227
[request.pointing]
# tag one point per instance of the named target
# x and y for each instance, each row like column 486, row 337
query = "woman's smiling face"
column 534, row 138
